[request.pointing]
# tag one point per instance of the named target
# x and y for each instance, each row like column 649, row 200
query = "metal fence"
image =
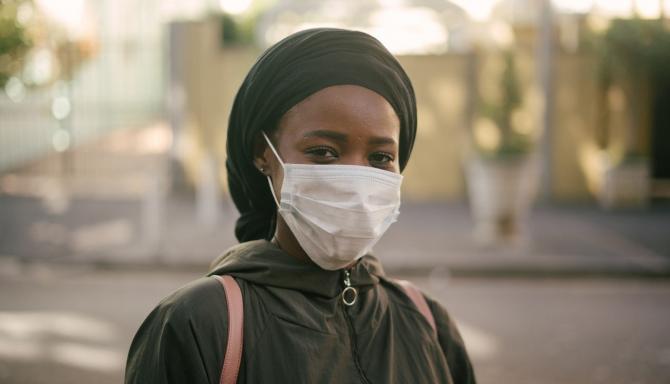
column 122, row 85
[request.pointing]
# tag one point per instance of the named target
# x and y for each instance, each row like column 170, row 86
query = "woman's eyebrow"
column 337, row 136
column 378, row 140
column 341, row 137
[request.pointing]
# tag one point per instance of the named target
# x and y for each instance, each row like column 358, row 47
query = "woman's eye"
column 322, row 153
column 381, row 158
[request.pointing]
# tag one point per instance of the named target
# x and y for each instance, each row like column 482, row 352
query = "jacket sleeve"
column 179, row 342
column 452, row 345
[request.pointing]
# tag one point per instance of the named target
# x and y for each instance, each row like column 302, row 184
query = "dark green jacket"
column 296, row 328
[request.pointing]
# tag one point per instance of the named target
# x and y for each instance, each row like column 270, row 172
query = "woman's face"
column 342, row 124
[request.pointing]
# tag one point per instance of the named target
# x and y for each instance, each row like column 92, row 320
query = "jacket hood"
column 263, row 262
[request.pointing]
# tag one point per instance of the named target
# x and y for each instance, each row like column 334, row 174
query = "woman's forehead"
column 348, row 109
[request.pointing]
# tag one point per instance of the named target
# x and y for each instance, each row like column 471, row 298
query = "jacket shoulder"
column 183, row 337
column 238, row 249
column 196, row 298
column 448, row 334
column 451, row 341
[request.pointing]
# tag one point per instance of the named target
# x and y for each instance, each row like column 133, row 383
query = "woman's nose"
column 355, row 159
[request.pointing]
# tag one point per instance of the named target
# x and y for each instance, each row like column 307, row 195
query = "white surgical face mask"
column 337, row 212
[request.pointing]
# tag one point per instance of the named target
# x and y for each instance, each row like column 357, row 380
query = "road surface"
column 74, row 325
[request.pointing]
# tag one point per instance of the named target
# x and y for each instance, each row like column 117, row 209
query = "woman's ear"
column 260, row 155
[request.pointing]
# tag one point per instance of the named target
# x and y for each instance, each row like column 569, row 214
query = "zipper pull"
column 349, row 294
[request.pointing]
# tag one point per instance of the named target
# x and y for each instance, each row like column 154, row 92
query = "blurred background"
column 536, row 204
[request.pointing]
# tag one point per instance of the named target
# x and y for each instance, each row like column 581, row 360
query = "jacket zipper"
column 349, row 297
column 349, row 293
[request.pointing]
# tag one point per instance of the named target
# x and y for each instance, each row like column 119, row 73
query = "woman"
column 319, row 132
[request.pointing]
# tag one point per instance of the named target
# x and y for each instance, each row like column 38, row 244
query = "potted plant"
column 499, row 169
column 632, row 56
column 14, row 41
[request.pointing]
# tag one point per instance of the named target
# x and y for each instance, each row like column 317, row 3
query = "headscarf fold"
column 284, row 75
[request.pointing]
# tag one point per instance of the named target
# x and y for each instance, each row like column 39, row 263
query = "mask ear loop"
column 272, row 189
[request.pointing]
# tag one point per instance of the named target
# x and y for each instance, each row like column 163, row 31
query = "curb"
column 10, row 265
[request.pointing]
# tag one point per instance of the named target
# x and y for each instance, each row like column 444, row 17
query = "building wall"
column 120, row 86
column 435, row 169
column 213, row 74
column 574, row 125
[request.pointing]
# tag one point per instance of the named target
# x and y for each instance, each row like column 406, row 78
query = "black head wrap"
column 287, row 73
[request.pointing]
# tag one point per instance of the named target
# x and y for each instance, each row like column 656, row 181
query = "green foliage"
column 14, row 40
column 237, row 30
column 634, row 47
column 511, row 90
column 512, row 142
column 633, row 54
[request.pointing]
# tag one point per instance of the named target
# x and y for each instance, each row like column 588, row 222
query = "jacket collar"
column 263, row 262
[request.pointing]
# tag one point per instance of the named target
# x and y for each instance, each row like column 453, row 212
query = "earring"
column 262, row 169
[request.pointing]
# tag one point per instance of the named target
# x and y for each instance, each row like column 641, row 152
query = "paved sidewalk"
column 113, row 209
column 563, row 241
column 428, row 238
column 67, row 325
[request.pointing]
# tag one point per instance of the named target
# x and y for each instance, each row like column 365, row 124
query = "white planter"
column 501, row 191
column 624, row 185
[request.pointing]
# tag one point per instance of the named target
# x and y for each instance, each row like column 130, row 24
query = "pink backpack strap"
column 233, row 355
column 419, row 301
